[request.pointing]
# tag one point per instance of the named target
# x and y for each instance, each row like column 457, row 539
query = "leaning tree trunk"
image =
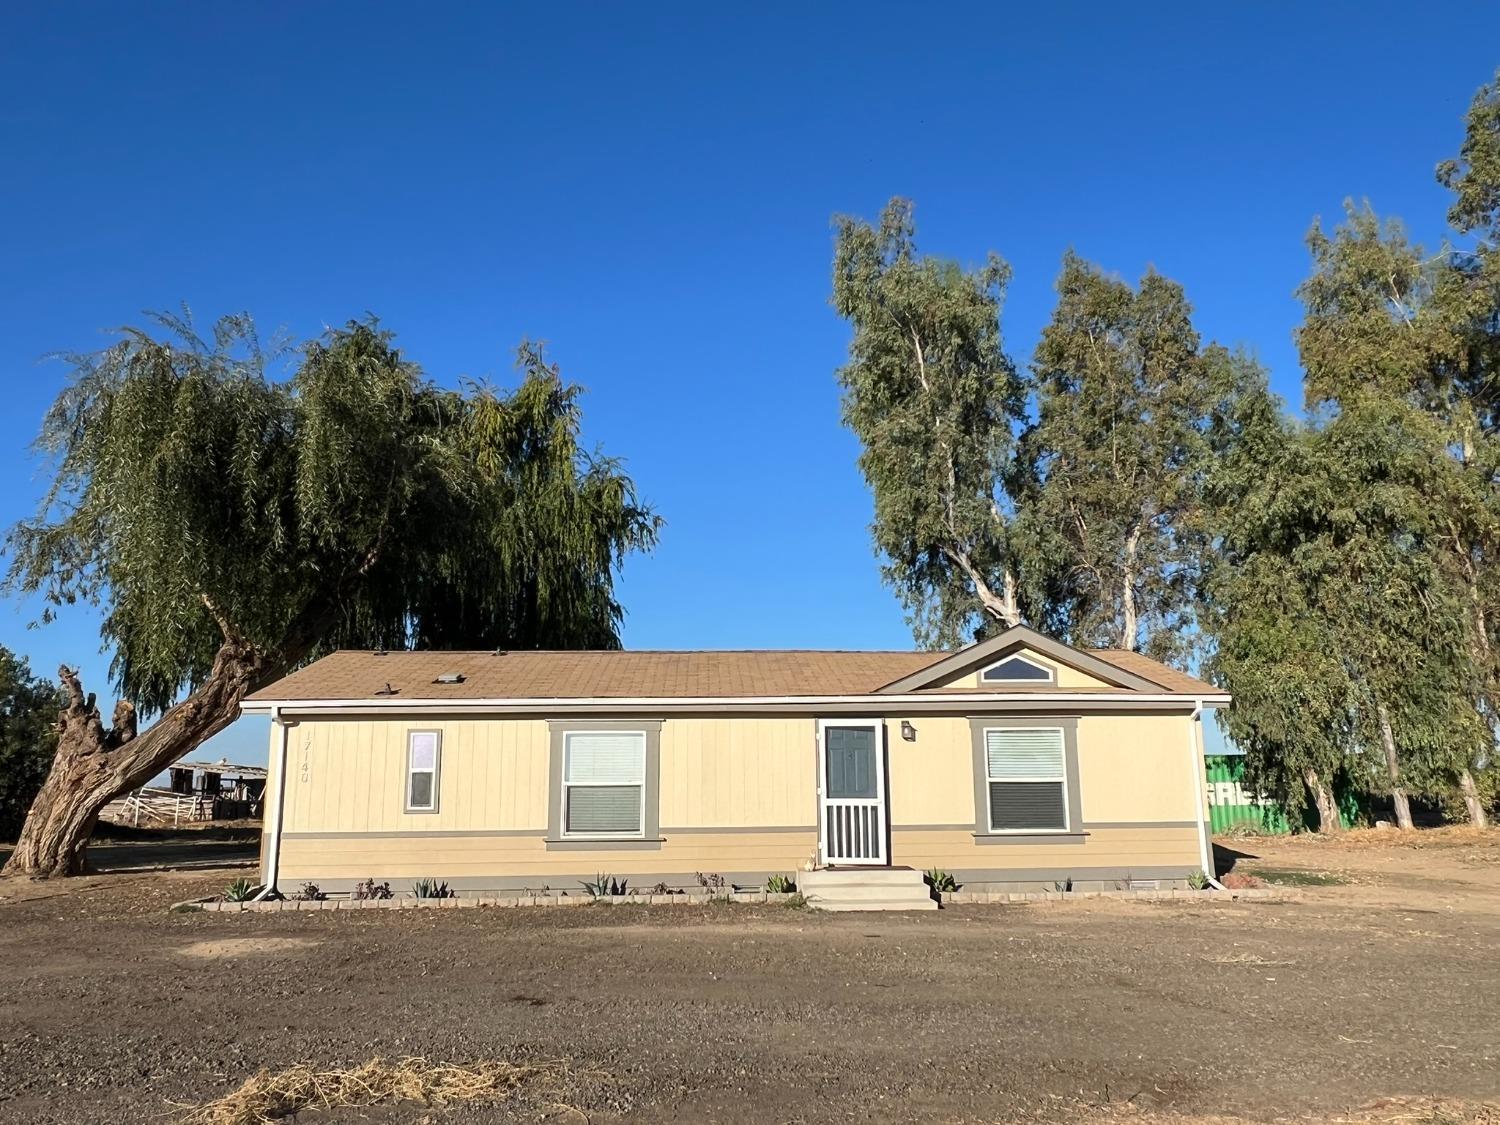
column 93, row 765
column 1393, row 768
column 1328, row 808
column 1472, row 801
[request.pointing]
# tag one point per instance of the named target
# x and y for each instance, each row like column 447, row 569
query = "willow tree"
column 231, row 526
column 935, row 402
column 1115, row 461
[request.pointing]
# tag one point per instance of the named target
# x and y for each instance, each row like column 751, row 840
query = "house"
column 1015, row 763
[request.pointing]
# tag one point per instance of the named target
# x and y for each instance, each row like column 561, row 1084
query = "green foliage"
column 370, row 889
column 431, row 888
column 1474, row 177
column 941, row 881
column 1112, row 508
column 241, row 890
column 780, row 884
column 196, row 496
column 28, row 738
column 798, row 901
column 1198, row 881
column 186, row 908
column 934, row 400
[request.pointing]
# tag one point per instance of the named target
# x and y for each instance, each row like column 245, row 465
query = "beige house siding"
column 737, row 797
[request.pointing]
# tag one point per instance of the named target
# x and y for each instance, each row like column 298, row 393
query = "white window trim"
column 640, row 832
column 1051, row 671
column 436, row 771
column 989, row 809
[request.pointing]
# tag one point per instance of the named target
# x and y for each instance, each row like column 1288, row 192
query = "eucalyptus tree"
column 231, row 525
column 1114, row 464
column 28, row 738
column 1267, row 643
column 1472, row 298
column 1389, row 329
column 1331, row 618
column 935, row 402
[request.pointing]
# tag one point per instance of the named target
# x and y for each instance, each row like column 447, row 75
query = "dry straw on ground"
column 274, row 1096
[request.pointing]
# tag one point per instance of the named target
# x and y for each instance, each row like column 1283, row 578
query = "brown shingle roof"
column 1154, row 670
column 358, row 674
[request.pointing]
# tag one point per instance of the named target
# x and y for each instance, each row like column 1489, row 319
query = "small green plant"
column 798, row 901
column 780, row 885
column 431, row 888
column 187, row 908
column 370, row 889
column 241, row 890
column 606, row 886
column 1064, row 886
column 942, row 881
column 311, row 893
column 1198, row 880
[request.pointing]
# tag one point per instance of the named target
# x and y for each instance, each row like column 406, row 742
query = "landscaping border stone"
column 703, row 898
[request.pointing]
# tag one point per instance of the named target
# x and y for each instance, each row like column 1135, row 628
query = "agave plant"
column 605, row 886
column 942, row 881
column 241, row 890
column 431, row 888
column 780, row 885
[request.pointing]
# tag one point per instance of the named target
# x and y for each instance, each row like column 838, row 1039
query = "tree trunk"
column 1129, row 618
column 1328, row 809
column 1393, row 768
column 1472, row 802
column 1485, row 659
column 93, row 765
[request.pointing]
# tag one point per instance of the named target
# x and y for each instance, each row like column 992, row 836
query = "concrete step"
column 889, row 876
column 877, row 891
column 876, row 904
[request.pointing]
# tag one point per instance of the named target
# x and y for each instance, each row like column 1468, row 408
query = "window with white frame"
column 604, row 781
column 1027, row 779
column 424, row 750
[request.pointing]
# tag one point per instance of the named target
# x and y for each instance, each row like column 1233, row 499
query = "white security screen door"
column 852, row 784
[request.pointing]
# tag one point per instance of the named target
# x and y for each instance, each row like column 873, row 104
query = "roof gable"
column 1028, row 643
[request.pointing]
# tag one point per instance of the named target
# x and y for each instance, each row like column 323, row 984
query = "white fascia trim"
column 885, row 704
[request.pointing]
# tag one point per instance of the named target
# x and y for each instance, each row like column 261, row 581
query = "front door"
column 852, row 790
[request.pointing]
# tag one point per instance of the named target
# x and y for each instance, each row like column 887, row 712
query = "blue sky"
column 649, row 188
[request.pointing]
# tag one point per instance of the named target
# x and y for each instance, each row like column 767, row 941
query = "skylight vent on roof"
column 450, row 678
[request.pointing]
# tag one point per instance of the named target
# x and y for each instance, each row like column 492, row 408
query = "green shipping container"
column 1232, row 805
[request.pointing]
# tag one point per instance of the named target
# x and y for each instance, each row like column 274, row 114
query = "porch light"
column 908, row 731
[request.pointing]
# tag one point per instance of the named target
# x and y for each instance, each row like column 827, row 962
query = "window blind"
column 603, row 780
column 1027, row 780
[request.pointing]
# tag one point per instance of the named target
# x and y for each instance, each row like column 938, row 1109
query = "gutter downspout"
column 273, row 856
column 1200, row 783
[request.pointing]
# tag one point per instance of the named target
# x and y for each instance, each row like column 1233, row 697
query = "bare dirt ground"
column 1365, row 999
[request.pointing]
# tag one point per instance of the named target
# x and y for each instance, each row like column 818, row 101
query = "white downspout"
column 1200, row 784
column 273, row 857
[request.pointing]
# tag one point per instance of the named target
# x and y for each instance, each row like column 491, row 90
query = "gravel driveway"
column 111, row 1008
